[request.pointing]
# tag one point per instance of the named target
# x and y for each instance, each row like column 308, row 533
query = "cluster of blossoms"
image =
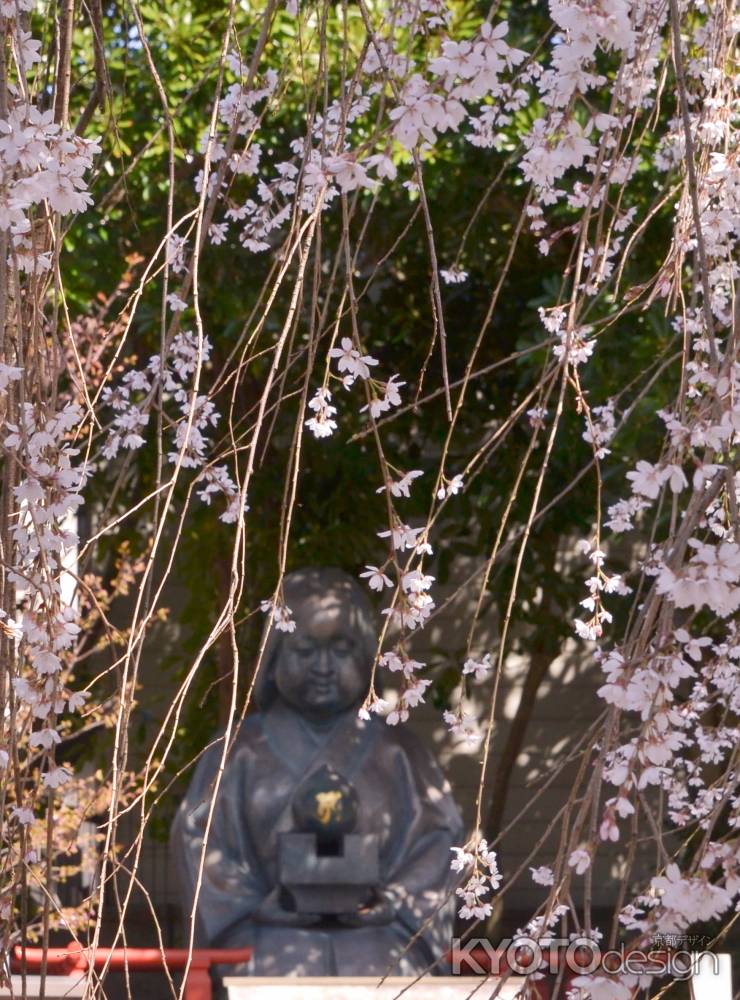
column 412, row 607
column 462, row 724
column 352, row 365
column 481, row 867
column 465, row 72
column 42, row 178
column 478, row 669
column 132, row 399
column 428, row 97
column 577, row 136
column 453, row 275
column 319, row 169
column 413, row 604
column 450, row 487
column 559, row 142
column 574, row 347
column 676, row 680
column 412, row 690
column 40, row 162
column 280, row 614
column 48, row 496
column 600, row 429
column 597, row 584
column 322, row 424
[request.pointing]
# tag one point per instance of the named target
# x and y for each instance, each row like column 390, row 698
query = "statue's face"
column 319, row 670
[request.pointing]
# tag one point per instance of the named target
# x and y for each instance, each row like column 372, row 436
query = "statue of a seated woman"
column 400, row 820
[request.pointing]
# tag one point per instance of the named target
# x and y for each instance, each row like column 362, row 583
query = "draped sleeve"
column 427, row 824
column 232, row 885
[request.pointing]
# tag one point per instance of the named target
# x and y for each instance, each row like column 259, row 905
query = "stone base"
column 366, row 988
column 55, row 986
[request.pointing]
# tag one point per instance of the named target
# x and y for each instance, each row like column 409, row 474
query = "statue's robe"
column 403, row 798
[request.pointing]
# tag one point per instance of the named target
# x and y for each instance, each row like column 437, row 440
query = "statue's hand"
column 377, row 912
column 271, row 911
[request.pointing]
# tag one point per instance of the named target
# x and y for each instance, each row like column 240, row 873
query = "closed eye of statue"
column 305, row 650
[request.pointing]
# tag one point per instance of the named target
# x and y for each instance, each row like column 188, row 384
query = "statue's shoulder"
column 247, row 736
column 401, row 737
column 410, row 755
column 419, row 754
column 251, row 729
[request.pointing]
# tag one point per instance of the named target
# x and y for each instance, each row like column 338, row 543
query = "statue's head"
column 323, row 667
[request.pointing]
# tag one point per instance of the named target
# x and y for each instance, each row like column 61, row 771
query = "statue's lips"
column 323, row 689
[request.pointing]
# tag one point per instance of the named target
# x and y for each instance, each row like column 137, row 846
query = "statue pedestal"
column 366, row 988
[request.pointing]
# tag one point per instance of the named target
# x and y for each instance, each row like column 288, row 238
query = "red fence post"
column 198, row 983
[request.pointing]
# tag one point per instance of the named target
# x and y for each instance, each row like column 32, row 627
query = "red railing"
column 73, row 958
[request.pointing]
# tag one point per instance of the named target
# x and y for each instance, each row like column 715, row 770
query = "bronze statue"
column 329, row 849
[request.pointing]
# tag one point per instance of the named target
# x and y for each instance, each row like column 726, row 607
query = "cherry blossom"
column 463, row 725
column 543, row 875
column 351, row 361
column 600, row 987
column 57, row 777
column 391, row 397
column 580, row 860
column 688, row 900
column 453, row 275
column 376, row 578
column 647, row 479
column 450, row 487
column 479, row 669
column 321, row 423
column 373, row 705
column 400, row 487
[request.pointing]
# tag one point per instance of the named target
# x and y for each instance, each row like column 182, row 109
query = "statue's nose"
column 323, row 664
